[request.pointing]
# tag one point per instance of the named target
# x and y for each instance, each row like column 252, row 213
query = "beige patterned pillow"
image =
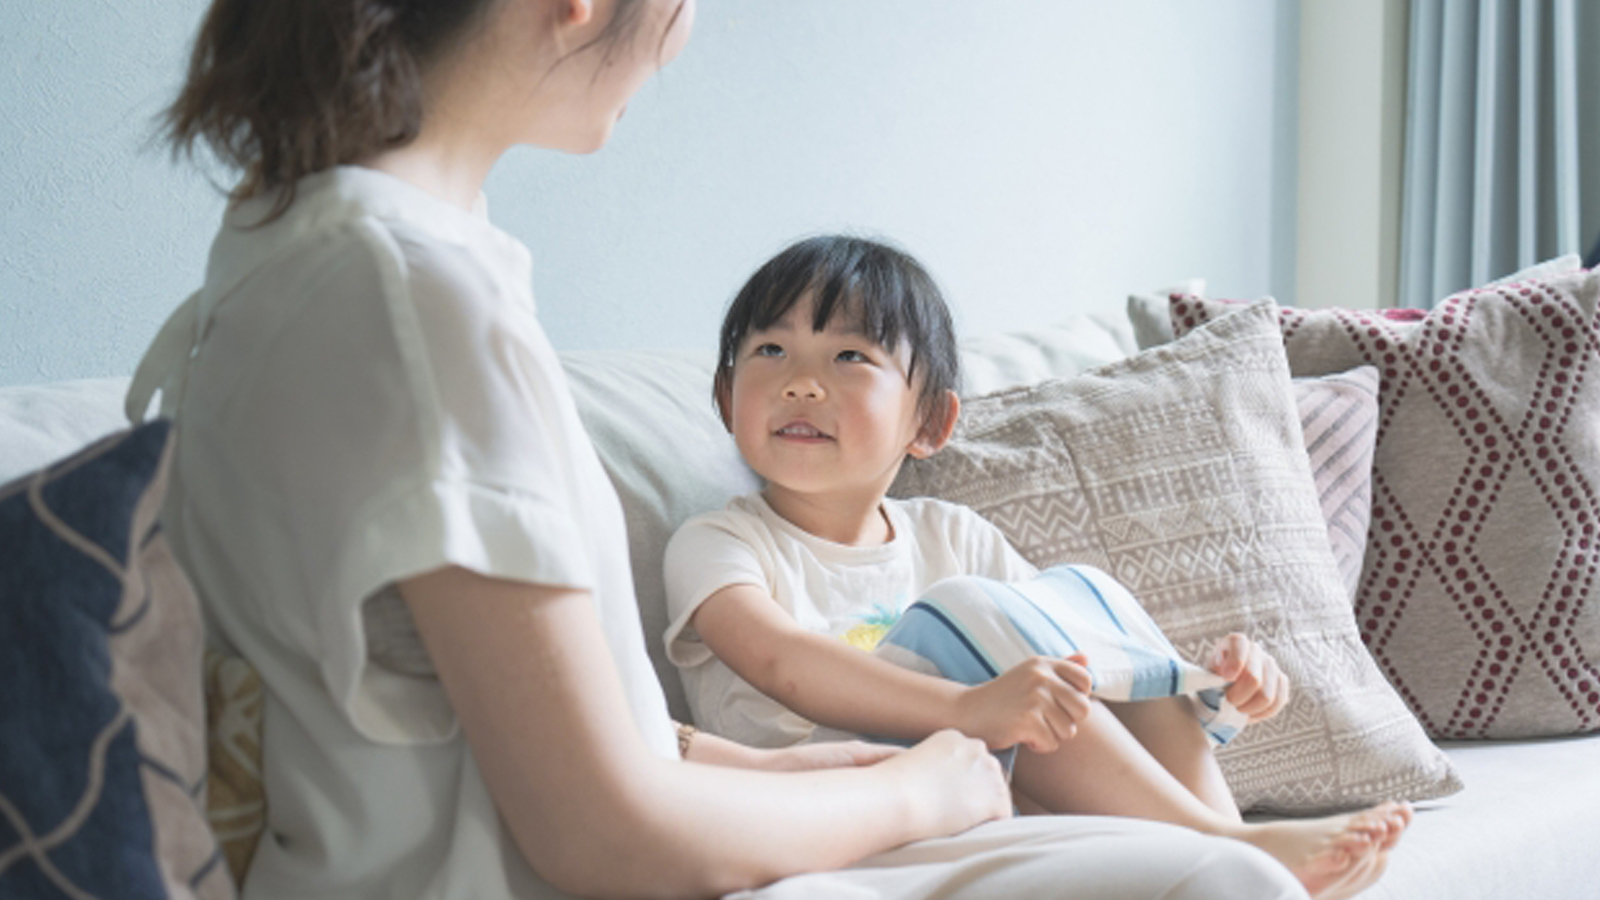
column 236, row 798
column 1182, row 471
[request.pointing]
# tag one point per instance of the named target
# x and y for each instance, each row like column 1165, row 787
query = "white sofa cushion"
column 40, row 423
column 1525, row 827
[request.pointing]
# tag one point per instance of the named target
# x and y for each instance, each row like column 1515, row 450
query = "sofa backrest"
column 41, row 423
column 651, row 418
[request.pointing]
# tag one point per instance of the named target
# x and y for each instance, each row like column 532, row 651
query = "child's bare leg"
column 1168, row 729
column 1170, row 732
column 1105, row 770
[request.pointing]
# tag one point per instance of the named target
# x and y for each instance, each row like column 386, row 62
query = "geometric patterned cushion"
column 1480, row 594
column 1339, row 418
column 102, row 752
column 236, row 797
column 1344, row 478
column 1182, row 472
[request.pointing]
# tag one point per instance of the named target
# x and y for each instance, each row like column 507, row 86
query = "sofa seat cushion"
column 1526, row 826
column 40, row 423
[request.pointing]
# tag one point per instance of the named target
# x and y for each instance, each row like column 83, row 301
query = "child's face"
column 823, row 413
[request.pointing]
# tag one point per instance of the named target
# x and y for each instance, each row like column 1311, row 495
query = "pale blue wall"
column 1042, row 156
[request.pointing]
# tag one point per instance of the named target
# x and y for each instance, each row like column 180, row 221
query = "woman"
column 376, row 445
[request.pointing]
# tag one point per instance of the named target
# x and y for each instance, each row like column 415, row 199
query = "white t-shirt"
column 370, row 398
column 828, row 588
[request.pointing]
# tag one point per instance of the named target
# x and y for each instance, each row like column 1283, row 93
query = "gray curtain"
column 1491, row 159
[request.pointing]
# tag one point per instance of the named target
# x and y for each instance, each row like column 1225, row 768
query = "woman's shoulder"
column 349, row 220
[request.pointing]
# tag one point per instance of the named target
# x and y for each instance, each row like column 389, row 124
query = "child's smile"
column 804, row 432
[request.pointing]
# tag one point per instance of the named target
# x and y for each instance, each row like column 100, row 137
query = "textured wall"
column 1040, row 155
column 98, row 234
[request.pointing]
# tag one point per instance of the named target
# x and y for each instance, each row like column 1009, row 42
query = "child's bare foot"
column 1360, row 877
column 1337, row 856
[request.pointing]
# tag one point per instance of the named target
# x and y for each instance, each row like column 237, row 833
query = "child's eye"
column 853, row 356
column 767, row 350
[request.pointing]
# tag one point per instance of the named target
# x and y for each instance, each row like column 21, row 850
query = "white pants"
column 1055, row 857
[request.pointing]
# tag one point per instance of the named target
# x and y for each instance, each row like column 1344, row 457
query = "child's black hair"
column 887, row 291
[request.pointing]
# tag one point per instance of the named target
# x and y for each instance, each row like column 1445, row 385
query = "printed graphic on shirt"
column 873, row 626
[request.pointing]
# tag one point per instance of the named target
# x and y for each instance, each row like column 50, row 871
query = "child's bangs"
column 843, row 298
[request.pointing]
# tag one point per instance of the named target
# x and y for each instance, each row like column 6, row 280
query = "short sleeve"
column 437, row 524
column 401, row 419
column 706, row 554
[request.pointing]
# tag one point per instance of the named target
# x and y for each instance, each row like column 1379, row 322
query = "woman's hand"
column 953, row 781
column 1036, row 703
column 1260, row 688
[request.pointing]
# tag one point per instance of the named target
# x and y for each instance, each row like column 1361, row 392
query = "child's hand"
column 1036, row 703
column 1259, row 689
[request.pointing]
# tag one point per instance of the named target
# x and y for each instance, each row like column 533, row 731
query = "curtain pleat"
column 1528, row 133
column 1491, row 158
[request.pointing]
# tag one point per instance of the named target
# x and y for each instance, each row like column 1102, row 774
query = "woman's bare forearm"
column 694, row 830
column 597, row 813
column 711, row 750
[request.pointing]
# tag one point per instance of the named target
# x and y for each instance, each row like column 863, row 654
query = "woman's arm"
column 1036, row 703
column 716, row 751
column 596, row 813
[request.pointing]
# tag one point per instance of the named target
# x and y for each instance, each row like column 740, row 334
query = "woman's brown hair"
column 280, row 89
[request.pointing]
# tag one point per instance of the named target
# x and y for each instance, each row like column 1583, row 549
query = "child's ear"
column 722, row 389
column 937, row 428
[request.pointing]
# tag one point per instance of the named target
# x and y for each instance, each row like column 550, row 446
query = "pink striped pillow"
column 1339, row 417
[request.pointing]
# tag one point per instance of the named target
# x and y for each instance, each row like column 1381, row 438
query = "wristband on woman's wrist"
column 686, row 735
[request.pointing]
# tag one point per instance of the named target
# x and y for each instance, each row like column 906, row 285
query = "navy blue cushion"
column 101, row 739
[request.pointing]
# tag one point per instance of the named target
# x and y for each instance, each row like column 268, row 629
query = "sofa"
column 1498, row 818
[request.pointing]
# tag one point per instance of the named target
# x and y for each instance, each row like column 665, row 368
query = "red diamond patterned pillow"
column 1480, row 589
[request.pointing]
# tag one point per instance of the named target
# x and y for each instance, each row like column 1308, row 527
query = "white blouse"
column 363, row 394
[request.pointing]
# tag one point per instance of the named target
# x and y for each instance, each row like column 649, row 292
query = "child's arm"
column 1035, row 704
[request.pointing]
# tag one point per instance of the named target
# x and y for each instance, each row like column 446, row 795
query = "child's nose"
column 803, row 387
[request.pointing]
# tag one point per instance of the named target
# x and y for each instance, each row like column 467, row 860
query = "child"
column 837, row 361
